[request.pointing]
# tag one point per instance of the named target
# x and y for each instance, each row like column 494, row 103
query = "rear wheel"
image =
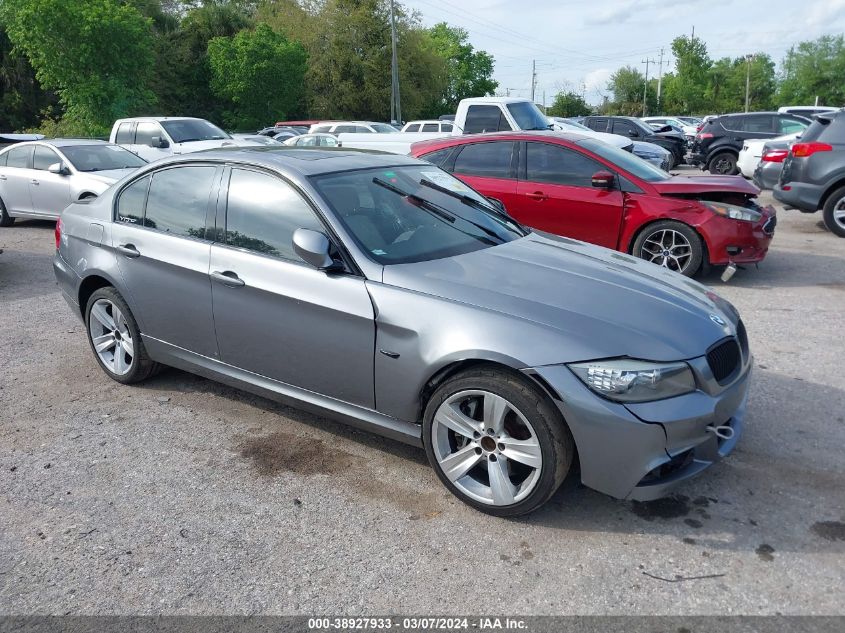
column 496, row 442
column 115, row 338
column 834, row 212
column 671, row 244
column 723, row 163
column 5, row 218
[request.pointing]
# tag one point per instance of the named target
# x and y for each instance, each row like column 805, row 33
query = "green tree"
column 96, row 55
column 22, row 99
column 260, row 73
column 627, row 85
column 814, row 69
column 567, row 103
column 686, row 91
column 469, row 72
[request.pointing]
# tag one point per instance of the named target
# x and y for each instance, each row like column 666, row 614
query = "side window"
column 19, row 156
column 599, row 125
column 44, row 157
column 430, row 127
column 322, row 128
column 413, row 128
column 559, row 165
column 787, row 125
column 145, row 133
column 340, row 129
column 3, row 159
column 310, row 141
column 124, row 134
column 130, row 204
column 360, row 129
column 263, row 212
column 438, row 156
column 327, row 141
column 178, row 200
column 446, row 127
column 624, row 128
column 761, row 123
column 485, row 118
column 491, row 160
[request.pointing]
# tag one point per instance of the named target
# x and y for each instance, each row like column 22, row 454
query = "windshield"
column 383, row 128
column 189, row 130
column 625, row 160
column 101, row 157
column 528, row 116
column 425, row 224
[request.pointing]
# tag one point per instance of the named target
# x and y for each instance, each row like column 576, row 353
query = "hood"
column 611, row 139
column 705, row 184
column 649, row 149
column 107, row 176
column 607, row 302
column 677, row 136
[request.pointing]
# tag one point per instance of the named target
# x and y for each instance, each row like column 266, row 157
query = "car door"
column 14, row 180
column 626, row 129
column 556, row 195
column 143, row 146
column 275, row 315
column 597, row 124
column 125, row 135
column 488, row 167
column 50, row 193
column 162, row 250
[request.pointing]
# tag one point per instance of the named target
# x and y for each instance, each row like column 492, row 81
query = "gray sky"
column 579, row 43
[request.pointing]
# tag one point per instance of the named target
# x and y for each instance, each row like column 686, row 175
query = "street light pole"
column 748, row 59
column 395, row 101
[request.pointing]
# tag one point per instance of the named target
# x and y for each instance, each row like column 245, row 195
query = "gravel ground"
column 182, row 496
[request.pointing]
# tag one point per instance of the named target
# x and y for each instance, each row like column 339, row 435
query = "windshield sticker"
column 378, row 251
column 115, row 148
column 446, row 181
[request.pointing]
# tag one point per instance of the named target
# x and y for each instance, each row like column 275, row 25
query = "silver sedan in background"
column 380, row 290
column 39, row 179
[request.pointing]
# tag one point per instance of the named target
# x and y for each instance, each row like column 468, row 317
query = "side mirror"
column 59, row 168
column 159, row 142
column 603, row 180
column 315, row 249
column 633, row 133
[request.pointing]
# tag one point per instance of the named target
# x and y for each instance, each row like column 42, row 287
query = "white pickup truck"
column 152, row 138
column 476, row 115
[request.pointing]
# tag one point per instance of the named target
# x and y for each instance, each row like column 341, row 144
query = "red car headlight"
column 732, row 211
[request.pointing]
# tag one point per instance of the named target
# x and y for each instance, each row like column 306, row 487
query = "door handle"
column 129, row 250
column 2, row 177
column 35, row 182
column 227, row 278
column 537, row 195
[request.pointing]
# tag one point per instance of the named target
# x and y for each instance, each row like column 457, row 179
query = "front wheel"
column 723, row 164
column 671, row 244
column 834, row 212
column 496, row 442
column 5, row 218
column 115, row 338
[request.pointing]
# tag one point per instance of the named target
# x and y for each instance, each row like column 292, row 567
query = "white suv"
column 152, row 138
column 351, row 127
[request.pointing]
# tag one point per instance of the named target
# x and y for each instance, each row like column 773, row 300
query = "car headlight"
column 733, row 211
column 635, row 380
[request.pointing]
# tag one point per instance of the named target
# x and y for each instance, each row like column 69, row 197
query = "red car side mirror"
column 603, row 180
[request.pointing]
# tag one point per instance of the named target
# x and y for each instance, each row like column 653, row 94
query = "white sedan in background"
column 752, row 152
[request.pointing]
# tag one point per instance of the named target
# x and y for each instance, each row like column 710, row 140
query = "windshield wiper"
column 470, row 202
column 435, row 209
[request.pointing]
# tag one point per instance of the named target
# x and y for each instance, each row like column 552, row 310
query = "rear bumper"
column 68, row 282
column 799, row 195
column 766, row 175
column 643, row 451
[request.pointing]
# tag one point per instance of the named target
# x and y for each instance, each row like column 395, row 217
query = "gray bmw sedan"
column 380, row 290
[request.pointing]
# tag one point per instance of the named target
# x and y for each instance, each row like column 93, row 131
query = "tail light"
column 802, row 150
column 58, row 233
column 703, row 135
column 775, row 156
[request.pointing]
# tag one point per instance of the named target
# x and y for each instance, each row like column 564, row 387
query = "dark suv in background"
column 719, row 141
column 813, row 175
column 640, row 131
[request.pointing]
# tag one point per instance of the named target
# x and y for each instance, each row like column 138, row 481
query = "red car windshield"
column 625, row 160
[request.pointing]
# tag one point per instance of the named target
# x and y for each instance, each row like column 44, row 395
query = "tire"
column 5, row 218
column 126, row 359
column 493, row 477
column 723, row 164
column 834, row 212
column 671, row 244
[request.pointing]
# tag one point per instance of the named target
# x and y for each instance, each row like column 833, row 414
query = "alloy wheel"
column 111, row 337
column 839, row 213
column 667, row 248
column 486, row 447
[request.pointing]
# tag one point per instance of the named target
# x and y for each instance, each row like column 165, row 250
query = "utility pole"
column 645, row 87
column 544, row 101
column 533, row 77
column 748, row 59
column 659, row 78
column 395, row 101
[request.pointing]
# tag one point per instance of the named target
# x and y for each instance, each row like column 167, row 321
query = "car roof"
column 63, row 142
column 494, row 100
column 305, row 161
column 160, row 118
column 515, row 135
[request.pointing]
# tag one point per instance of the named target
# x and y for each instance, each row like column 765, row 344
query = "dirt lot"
column 183, row 496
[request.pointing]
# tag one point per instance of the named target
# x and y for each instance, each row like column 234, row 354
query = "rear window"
column 829, row 129
column 485, row 118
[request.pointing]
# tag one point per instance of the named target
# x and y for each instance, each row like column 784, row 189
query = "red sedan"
column 577, row 186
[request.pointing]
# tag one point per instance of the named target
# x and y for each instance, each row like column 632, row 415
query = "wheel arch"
column 89, row 286
column 705, row 260
column 829, row 191
column 85, row 195
column 711, row 154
